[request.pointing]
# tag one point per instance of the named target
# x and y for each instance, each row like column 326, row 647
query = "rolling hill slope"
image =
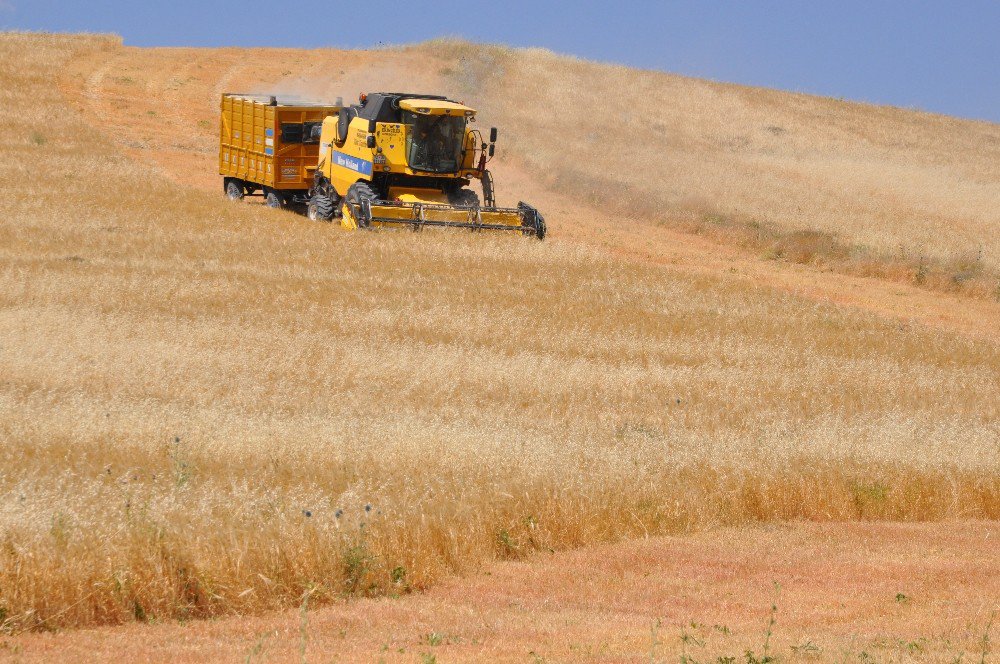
column 211, row 409
column 805, row 243
column 874, row 190
column 878, row 182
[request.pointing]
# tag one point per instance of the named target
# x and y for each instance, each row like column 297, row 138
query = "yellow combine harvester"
column 393, row 159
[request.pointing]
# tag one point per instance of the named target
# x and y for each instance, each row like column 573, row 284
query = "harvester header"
column 393, row 159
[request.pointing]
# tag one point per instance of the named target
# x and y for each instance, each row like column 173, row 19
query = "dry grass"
column 210, row 409
column 872, row 190
column 856, row 593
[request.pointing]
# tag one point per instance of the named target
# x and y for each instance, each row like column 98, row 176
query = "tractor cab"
column 435, row 134
column 434, row 129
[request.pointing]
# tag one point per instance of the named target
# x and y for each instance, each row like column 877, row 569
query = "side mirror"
column 371, row 141
column 343, row 122
column 493, row 149
column 371, row 126
column 493, row 135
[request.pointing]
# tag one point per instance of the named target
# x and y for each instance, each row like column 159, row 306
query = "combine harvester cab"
column 405, row 160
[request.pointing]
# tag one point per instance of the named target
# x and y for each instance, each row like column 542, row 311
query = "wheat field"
column 209, row 409
column 861, row 189
column 875, row 190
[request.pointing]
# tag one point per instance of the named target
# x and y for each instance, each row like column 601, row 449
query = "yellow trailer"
column 270, row 147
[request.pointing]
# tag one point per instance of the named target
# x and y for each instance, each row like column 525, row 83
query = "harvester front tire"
column 320, row 208
column 358, row 192
column 465, row 198
column 234, row 190
column 274, row 200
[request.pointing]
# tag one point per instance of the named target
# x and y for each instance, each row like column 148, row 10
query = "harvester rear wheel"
column 234, row 190
column 356, row 193
column 320, row 208
column 464, row 198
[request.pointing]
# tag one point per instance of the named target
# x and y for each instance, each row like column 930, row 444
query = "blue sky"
column 936, row 56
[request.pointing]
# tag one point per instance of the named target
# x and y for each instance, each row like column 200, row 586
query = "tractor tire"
column 320, row 208
column 234, row 190
column 465, row 198
column 274, row 200
column 358, row 192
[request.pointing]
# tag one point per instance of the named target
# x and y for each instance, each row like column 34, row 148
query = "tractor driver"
column 434, row 139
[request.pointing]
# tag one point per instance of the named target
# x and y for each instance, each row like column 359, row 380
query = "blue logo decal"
column 269, row 132
column 352, row 163
column 268, row 150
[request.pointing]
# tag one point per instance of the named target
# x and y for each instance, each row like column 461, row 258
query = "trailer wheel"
column 274, row 200
column 234, row 190
column 320, row 208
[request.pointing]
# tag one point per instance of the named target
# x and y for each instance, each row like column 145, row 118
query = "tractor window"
column 434, row 143
column 291, row 133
